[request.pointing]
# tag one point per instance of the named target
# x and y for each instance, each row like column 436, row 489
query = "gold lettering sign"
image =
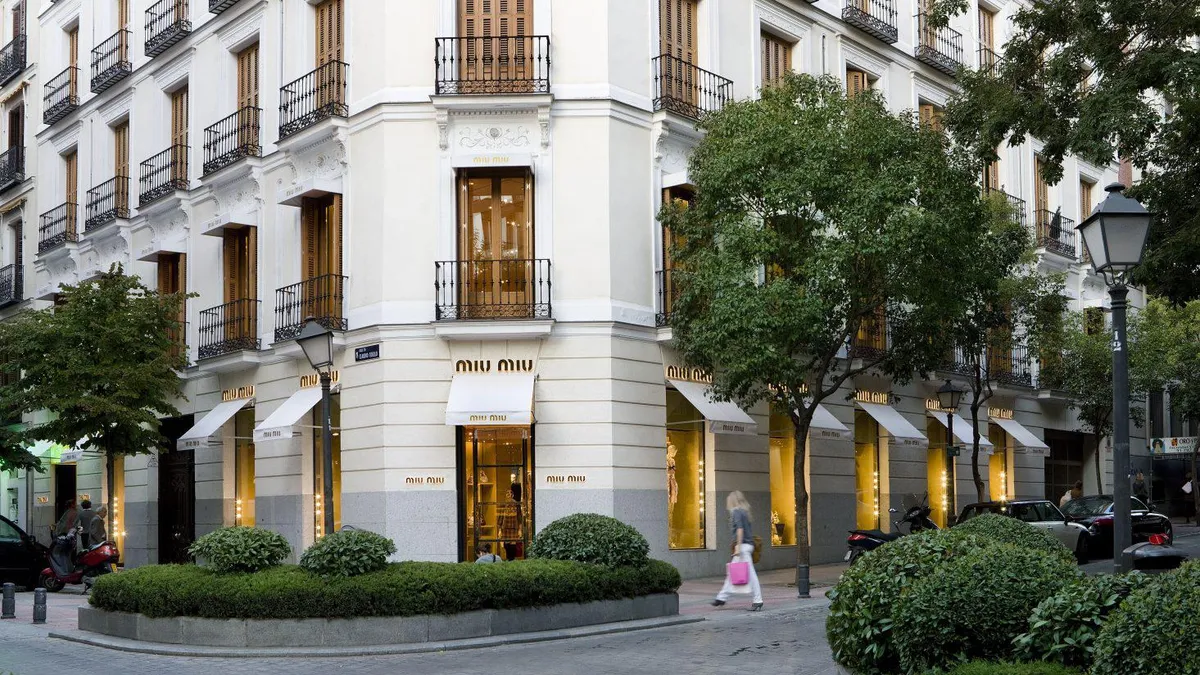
column 502, row 366
column 314, row 380
column 489, row 418
column 493, row 159
column 566, row 479
column 688, row 374
column 935, row 405
column 779, row 391
column 43, row 500
column 1001, row 413
column 425, row 480
column 880, row 397
column 238, row 393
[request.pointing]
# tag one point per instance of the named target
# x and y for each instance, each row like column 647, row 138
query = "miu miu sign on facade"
column 502, row 366
column 686, row 374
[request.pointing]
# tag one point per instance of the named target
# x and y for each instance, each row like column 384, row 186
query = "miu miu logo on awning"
column 502, row 366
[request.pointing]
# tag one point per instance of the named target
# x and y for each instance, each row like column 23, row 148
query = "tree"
column 816, row 215
column 1101, row 79
column 104, row 364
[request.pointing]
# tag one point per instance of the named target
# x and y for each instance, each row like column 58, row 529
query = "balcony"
column 111, row 62
column 1010, row 365
column 229, row 328
column 1055, row 232
column 320, row 297
column 871, row 340
column 167, row 23
column 12, row 167
column 941, row 48
column 959, row 362
column 686, row 89
column 233, row 138
column 62, row 95
column 1015, row 204
column 11, row 291
column 492, row 65
column 667, row 290
column 12, row 60
column 989, row 60
column 163, row 174
column 106, row 203
column 218, row 6
column 492, row 289
column 874, row 17
column 58, row 227
column 317, row 96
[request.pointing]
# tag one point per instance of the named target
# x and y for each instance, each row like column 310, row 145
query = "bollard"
column 39, row 605
column 8, row 607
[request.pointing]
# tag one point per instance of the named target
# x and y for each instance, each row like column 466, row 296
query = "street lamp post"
column 949, row 398
column 1115, row 235
column 317, row 343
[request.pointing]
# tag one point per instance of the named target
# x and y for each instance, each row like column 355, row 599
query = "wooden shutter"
column 776, row 59
column 18, row 19
column 677, row 28
column 240, row 264
column 1085, row 199
column 322, row 254
column 71, row 165
column 987, row 29
column 179, row 116
column 121, row 149
column 16, row 126
column 856, row 82
column 991, row 175
column 123, row 13
column 73, row 47
column 1041, row 201
column 495, row 18
column 329, row 32
column 247, row 73
column 931, row 115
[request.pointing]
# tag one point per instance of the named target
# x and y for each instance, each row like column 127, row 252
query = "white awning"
column 826, row 425
column 203, row 432
column 1025, row 440
column 724, row 417
column 282, row 422
column 897, row 427
column 962, row 429
column 500, row 399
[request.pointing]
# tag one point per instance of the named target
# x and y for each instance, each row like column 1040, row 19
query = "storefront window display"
column 783, row 482
column 243, row 467
column 1000, row 464
column 116, row 519
column 497, row 477
column 685, row 473
column 939, row 473
column 335, row 415
column 870, row 461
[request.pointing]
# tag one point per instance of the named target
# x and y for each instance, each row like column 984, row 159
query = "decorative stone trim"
column 369, row 631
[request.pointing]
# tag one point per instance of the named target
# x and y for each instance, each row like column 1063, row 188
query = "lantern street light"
column 1115, row 235
column 317, row 342
column 949, row 398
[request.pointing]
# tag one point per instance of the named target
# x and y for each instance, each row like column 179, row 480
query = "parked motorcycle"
column 68, row 566
column 916, row 516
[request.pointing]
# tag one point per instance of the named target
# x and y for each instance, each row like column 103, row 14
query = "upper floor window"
column 857, row 81
column 677, row 28
column 932, row 115
column 776, row 58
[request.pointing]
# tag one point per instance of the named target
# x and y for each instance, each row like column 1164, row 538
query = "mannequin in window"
column 672, row 484
column 510, row 524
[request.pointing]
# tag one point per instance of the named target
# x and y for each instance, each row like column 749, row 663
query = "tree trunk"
column 803, row 544
column 979, row 494
column 110, row 481
column 1099, row 471
column 1195, row 492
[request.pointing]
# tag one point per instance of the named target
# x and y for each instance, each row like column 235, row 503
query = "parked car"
column 22, row 558
column 1096, row 513
column 1042, row 514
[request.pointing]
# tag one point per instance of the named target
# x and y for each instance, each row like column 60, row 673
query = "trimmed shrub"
column 1063, row 628
column 1156, row 631
column 241, row 549
column 591, row 538
column 993, row 668
column 859, row 626
column 400, row 589
column 974, row 606
column 1012, row 531
column 348, row 553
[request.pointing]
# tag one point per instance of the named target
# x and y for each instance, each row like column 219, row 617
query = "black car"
column 22, row 558
column 1096, row 514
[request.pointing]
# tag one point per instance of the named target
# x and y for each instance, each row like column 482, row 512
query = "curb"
column 163, row 649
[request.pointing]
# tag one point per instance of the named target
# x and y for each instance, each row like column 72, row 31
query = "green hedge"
column 1156, row 631
column 348, row 553
column 992, row 668
column 241, row 549
column 402, row 589
column 1012, row 531
column 591, row 538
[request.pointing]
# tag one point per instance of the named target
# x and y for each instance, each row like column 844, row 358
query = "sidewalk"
column 778, row 587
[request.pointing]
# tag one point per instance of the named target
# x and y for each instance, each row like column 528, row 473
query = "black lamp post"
column 317, row 343
column 1115, row 235
column 949, row 398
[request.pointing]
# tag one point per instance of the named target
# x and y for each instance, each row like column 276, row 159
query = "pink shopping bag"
column 739, row 573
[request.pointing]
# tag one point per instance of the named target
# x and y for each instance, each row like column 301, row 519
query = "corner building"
column 465, row 192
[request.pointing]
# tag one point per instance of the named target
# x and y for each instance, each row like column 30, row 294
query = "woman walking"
column 743, row 551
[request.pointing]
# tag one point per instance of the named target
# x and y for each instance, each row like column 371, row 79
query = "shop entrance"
column 1065, row 464
column 64, row 489
column 496, row 484
column 176, row 493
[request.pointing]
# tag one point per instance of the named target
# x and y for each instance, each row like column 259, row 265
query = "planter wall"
column 369, row 631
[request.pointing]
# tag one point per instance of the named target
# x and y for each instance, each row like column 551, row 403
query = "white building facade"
column 465, row 192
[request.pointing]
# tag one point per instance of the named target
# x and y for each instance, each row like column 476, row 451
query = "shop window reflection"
column 1000, row 464
column 243, row 467
column 335, row 417
column 783, row 482
column 685, row 473
column 939, row 471
column 870, row 471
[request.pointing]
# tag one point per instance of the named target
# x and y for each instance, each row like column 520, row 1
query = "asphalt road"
column 1189, row 544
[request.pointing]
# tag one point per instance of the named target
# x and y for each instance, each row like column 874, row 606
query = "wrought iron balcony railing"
column 107, row 202
column 1055, row 232
column 667, row 289
column 229, row 328
column 111, row 61
column 62, row 95
column 12, row 167
column 686, row 89
column 941, row 48
column 493, row 65
column 317, row 96
column 871, row 340
column 874, row 17
column 958, row 361
column 1015, row 204
column 1010, row 365
column 989, row 60
column 163, row 174
column 11, row 287
column 12, row 59
column 58, row 227
column 218, row 6
column 322, row 298
column 233, row 138
column 167, row 22
column 492, row 289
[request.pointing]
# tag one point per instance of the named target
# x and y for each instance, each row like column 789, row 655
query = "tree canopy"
column 815, row 216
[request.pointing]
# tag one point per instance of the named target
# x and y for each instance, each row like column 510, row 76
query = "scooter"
column 68, row 567
column 916, row 515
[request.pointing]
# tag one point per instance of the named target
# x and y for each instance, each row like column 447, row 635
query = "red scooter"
column 69, row 567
